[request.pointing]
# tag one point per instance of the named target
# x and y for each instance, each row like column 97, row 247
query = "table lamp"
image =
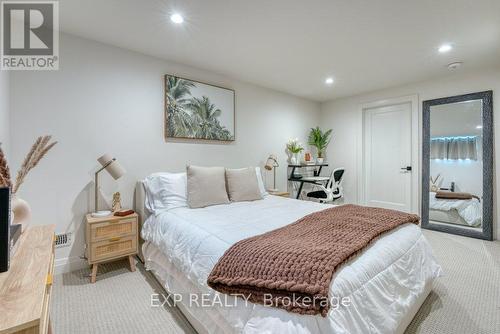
column 271, row 164
column 116, row 170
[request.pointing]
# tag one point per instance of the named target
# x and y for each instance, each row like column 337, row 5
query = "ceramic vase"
column 21, row 212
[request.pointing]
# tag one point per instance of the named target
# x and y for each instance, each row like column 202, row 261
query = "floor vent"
column 63, row 240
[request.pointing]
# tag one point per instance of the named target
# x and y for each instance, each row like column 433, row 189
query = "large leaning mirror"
column 457, row 175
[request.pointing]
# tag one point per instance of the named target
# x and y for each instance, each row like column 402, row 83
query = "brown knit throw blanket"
column 455, row 195
column 292, row 267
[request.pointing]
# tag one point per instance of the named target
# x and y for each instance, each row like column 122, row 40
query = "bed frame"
column 140, row 209
column 451, row 217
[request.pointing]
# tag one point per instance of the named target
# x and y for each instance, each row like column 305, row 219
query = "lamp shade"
column 271, row 162
column 112, row 166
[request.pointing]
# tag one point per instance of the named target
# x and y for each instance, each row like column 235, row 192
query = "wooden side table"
column 111, row 238
column 280, row 193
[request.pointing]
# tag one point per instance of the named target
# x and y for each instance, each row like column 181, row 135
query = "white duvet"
column 382, row 284
column 470, row 210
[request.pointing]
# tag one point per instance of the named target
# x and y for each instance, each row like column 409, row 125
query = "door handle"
column 407, row 168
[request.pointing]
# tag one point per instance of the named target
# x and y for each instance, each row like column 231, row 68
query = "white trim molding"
column 415, row 146
column 69, row 264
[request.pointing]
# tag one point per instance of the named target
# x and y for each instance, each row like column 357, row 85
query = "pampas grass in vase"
column 20, row 208
column 5, row 180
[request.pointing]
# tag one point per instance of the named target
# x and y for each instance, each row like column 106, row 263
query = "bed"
column 385, row 284
column 455, row 211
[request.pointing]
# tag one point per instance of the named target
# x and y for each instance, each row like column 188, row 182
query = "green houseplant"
column 294, row 147
column 320, row 140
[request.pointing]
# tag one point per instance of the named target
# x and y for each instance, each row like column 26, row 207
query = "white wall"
column 4, row 112
column 106, row 99
column 467, row 175
column 342, row 115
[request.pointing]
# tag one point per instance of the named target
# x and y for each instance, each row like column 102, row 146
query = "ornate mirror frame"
column 487, row 147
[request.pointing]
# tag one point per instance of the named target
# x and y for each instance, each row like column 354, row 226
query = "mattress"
column 383, row 286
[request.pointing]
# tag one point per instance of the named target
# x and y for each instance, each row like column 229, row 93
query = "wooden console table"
column 26, row 288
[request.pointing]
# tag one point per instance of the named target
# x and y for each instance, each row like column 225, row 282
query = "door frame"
column 415, row 147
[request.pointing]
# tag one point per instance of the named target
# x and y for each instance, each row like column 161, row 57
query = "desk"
column 316, row 179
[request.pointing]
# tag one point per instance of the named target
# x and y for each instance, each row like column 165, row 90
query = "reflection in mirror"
column 456, row 164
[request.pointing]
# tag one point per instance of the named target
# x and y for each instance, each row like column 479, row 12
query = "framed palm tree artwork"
column 195, row 110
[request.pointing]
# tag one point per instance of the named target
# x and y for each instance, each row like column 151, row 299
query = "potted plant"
column 294, row 147
column 320, row 140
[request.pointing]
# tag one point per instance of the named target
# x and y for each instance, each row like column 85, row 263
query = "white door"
column 388, row 157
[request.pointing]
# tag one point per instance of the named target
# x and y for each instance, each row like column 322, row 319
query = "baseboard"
column 69, row 264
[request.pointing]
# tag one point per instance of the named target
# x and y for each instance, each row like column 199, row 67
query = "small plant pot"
column 295, row 159
column 320, row 160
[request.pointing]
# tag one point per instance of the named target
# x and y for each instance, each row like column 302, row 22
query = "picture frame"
column 198, row 111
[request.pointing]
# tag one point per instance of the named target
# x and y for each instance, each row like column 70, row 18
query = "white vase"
column 319, row 160
column 294, row 159
column 21, row 212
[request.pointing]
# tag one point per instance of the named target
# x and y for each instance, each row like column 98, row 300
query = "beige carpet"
column 119, row 302
column 465, row 300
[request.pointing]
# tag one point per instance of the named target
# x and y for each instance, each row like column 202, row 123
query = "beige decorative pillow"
column 242, row 184
column 206, row 186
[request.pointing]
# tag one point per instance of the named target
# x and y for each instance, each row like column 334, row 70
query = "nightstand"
column 280, row 193
column 111, row 238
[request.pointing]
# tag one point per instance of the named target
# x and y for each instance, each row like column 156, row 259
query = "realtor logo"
column 29, row 35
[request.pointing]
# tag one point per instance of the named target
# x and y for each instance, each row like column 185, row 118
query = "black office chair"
column 332, row 190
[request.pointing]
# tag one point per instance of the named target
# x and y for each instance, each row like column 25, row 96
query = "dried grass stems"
column 37, row 152
column 5, row 180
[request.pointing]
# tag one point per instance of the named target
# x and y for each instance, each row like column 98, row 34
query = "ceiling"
column 293, row 45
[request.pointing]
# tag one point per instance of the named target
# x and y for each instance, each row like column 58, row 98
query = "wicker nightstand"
column 111, row 238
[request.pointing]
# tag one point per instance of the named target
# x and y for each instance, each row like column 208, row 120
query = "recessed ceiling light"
column 176, row 18
column 445, row 48
column 329, row 81
column 479, row 127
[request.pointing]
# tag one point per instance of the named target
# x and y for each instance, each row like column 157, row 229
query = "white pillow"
column 262, row 189
column 165, row 191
